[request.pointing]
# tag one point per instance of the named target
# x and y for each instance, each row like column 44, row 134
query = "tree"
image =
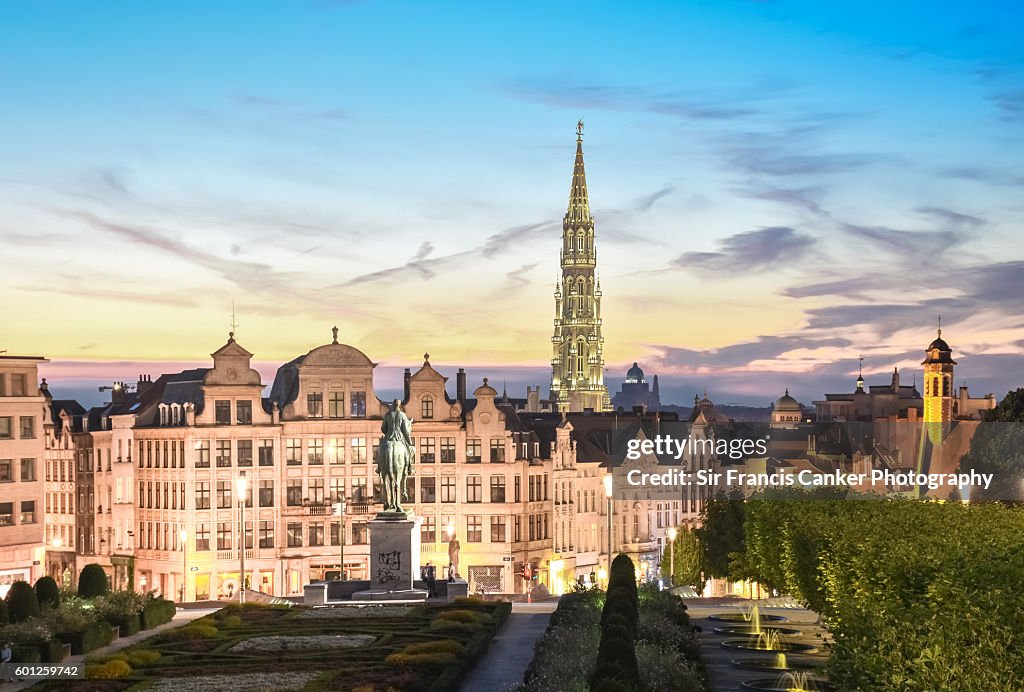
column 687, row 561
column 22, row 602
column 997, row 447
column 721, row 533
column 47, row 591
column 92, row 581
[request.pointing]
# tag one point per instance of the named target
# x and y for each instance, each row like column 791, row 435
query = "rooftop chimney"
column 460, row 385
column 406, row 380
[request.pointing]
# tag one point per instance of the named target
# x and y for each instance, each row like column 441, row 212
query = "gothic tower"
column 577, row 360
column 938, row 387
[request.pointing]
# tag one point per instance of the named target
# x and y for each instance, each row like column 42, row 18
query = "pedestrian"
column 6, row 654
column 451, row 571
column 431, row 579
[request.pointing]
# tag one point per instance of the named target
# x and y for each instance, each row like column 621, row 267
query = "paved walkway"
column 180, row 618
column 511, row 650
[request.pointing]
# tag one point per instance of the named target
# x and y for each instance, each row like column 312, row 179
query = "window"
column 474, row 492
column 358, row 450
column 243, row 412
column 6, row 513
column 337, row 489
column 336, row 450
column 28, row 469
column 518, row 489
column 448, row 489
column 473, row 451
column 223, row 453
column 497, row 488
column 517, row 528
column 316, row 491
column 266, row 534
column 315, row 452
column 222, row 412
column 28, row 512
column 428, row 530
column 336, row 405
column 5, row 427
column 498, row 451
column 358, row 409
column 335, row 533
column 428, row 489
column 244, row 452
column 203, row 495
column 427, row 407
column 359, row 490
column 3, row 385
column 19, row 383
column 426, row 449
column 266, row 453
column 497, row 529
column 223, row 494
column 266, row 493
column 202, row 455
column 28, row 427
column 294, row 534
column 315, row 405
column 316, row 534
column 223, row 535
column 202, row 537
column 474, row 532
column 293, row 451
column 293, row 492
column 447, row 450
column 359, row 533
column 6, row 470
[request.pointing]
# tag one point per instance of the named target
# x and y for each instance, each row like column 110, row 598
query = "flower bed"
column 280, row 642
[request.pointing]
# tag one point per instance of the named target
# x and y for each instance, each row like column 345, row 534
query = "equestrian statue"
column 395, row 458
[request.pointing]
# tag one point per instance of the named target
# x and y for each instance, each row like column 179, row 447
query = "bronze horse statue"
column 395, row 457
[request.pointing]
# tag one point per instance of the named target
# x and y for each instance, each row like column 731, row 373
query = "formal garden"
column 278, row 647
column 46, row 623
column 623, row 640
column 916, row 595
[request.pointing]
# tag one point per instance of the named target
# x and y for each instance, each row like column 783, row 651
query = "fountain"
column 789, row 682
column 752, row 615
column 755, row 630
column 769, row 639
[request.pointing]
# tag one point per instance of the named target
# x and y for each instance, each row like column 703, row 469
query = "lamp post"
column 608, row 483
column 339, row 511
column 672, row 556
column 183, row 535
column 242, row 484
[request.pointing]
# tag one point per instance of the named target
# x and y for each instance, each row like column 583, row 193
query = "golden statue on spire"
column 579, row 129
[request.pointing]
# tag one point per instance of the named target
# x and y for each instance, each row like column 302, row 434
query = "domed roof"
column 635, row 373
column 787, row 403
column 939, row 344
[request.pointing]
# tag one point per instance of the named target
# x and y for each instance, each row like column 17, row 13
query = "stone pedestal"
column 394, row 558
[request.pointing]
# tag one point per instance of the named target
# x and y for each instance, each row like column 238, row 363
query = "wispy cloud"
column 749, row 252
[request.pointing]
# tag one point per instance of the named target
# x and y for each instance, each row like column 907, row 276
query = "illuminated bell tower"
column 577, row 360
column 938, row 387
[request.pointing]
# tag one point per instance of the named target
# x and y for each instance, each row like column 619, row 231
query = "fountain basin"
column 787, row 683
column 759, row 645
column 749, row 629
column 771, row 665
column 740, row 617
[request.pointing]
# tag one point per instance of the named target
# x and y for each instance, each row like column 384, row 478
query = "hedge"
column 95, row 635
column 616, row 656
column 157, row 612
column 47, row 591
column 92, row 581
column 917, row 595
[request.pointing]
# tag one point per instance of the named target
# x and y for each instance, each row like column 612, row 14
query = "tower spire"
column 940, row 327
column 579, row 201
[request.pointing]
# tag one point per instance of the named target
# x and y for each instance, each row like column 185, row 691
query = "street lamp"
column 183, row 535
column 339, row 511
column 608, row 482
column 672, row 556
column 242, row 484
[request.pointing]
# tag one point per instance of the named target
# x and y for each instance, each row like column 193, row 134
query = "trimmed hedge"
column 4, row 617
column 22, row 602
column 95, row 635
column 47, row 591
column 157, row 612
column 92, row 582
column 616, row 655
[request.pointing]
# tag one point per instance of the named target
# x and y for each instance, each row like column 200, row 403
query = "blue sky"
column 779, row 187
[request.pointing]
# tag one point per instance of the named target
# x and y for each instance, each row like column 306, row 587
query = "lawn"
column 255, row 647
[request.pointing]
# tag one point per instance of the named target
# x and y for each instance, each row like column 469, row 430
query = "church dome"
column 787, row 403
column 939, row 344
column 635, row 374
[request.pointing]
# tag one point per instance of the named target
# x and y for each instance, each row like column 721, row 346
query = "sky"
column 779, row 187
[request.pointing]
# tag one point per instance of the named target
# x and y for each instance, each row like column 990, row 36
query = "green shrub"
column 468, row 616
column 231, row 622
column 469, row 601
column 51, row 651
column 449, row 646
column 92, row 581
column 22, row 602
column 195, row 630
column 92, row 637
column 141, row 657
column 111, row 670
column 47, row 592
column 4, row 617
column 157, row 612
column 428, row 659
column 450, row 626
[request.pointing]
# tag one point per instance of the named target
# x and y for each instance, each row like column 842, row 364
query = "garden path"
column 511, row 650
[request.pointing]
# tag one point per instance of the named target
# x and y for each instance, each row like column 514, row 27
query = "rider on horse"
column 395, row 456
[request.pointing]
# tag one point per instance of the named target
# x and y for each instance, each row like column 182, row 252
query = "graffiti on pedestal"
column 389, row 567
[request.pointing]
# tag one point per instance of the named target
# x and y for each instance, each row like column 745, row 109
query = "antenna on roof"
column 234, row 321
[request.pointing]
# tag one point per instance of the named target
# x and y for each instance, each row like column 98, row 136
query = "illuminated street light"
column 672, row 555
column 242, row 484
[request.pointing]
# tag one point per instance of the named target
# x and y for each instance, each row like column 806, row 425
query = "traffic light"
column 527, row 572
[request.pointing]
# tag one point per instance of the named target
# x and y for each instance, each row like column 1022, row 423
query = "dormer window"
column 243, row 412
column 222, row 412
column 427, row 407
column 315, row 405
column 163, row 414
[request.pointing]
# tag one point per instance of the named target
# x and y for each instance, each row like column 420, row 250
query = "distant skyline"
column 779, row 187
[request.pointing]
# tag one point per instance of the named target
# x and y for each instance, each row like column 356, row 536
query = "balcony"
column 233, row 554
